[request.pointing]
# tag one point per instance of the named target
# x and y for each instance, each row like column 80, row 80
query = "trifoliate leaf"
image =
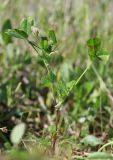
column 95, row 50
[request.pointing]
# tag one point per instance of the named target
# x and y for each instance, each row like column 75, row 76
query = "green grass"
column 62, row 95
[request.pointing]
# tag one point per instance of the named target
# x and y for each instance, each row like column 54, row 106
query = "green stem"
column 105, row 145
column 103, row 85
column 76, row 82
column 47, row 66
column 32, row 46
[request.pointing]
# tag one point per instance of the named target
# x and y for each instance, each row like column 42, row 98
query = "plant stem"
column 47, row 66
column 80, row 77
column 105, row 145
column 76, row 82
column 103, row 84
column 32, row 46
column 57, row 108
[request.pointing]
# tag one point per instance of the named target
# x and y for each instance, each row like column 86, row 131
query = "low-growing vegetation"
column 56, row 99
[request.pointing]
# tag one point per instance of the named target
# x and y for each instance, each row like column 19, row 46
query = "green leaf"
column 94, row 45
column 95, row 50
column 43, row 43
column 99, row 156
column 52, row 37
column 26, row 25
column 91, row 141
column 103, row 55
column 6, row 38
column 49, row 79
column 17, row 133
column 17, row 33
